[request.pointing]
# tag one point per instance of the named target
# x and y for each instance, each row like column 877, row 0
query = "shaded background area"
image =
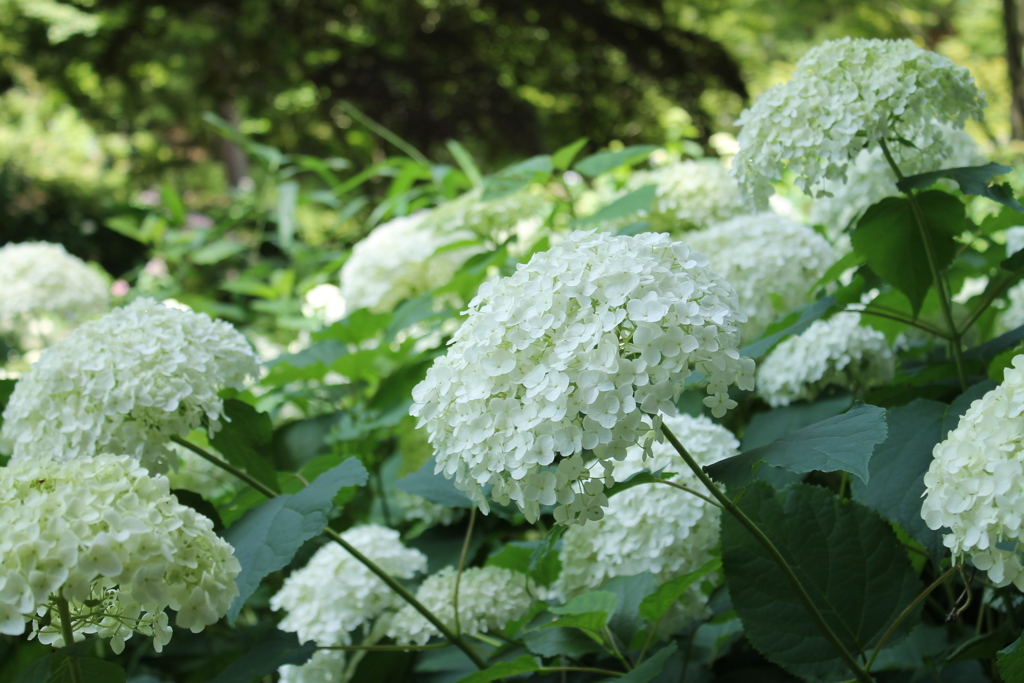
column 103, row 99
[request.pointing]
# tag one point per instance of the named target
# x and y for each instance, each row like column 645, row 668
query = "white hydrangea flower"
column 419, row 509
column 495, row 219
column 770, row 260
column 325, row 303
column 1012, row 316
column 870, row 179
column 1014, row 240
column 126, row 383
column 690, row 194
column 847, row 95
column 193, row 473
column 334, row 594
column 974, row 482
column 834, row 352
column 101, row 529
column 325, row 666
column 652, row 527
column 489, row 598
column 398, row 260
column 576, row 354
column 40, row 278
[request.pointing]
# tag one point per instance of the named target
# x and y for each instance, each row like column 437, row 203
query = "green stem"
column 989, row 298
column 748, row 524
column 363, row 559
column 462, row 564
column 940, row 285
column 690, row 491
column 383, row 132
column 583, row 669
column 385, row 648
column 69, row 637
column 906, row 613
column 906, row 321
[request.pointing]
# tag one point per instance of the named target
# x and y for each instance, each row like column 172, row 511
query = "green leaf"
column 630, row 592
column 244, row 439
column 563, row 157
column 55, row 669
column 846, row 557
column 521, row 665
column 434, row 487
column 650, row 667
column 552, row 642
column 974, row 180
column 630, row 204
column 901, row 461
column 1010, row 662
column 518, row 556
column 888, row 237
column 842, row 443
column 588, row 611
column 634, row 228
column 310, row 363
column 273, row 650
column 850, row 260
column 791, row 324
column 596, row 164
column 656, row 605
column 465, row 161
column 287, row 200
column 776, row 423
column 172, row 202
column 1013, row 263
column 215, row 252
column 268, row 536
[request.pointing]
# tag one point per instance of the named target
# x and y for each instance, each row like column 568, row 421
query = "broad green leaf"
column 215, row 252
column 997, row 222
column 545, row 554
column 790, row 324
column 634, row 228
column 287, row 200
column 1010, row 661
column 846, row 557
column 274, row 649
column 434, row 487
column 656, row 605
column 564, row 156
column 521, row 665
column 1013, row 263
column 596, row 164
column 650, row 667
column 630, row 592
column 776, row 423
column 498, row 187
column 850, row 260
column 517, row 556
column 267, row 537
column 244, row 439
column 465, row 161
column 589, row 611
column 552, row 642
column 630, row 204
column 172, row 202
column 974, row 180
column 888, row 236
column 55, row 669
column 919, row 649
column 312, row 362
column 996, row 346
column 996, row 367
column 901, row 461
column 842, row 443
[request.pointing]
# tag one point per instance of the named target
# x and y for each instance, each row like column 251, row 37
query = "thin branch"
column 462, row 564
column 689, row 490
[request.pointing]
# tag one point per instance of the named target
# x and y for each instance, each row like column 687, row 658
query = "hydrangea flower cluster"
column 325, row 666
column 771, row 261
column 334, row 595
column 102, row 530
column 690, row 194
column 652, row 527
column 325, row 303
column 199, row 475
column 489, row 598
column 869, row 178
column 418, row 509
column 495, row 219
column 397, row 261
column 1012, row 316
column 834, row 352
column 43, row 279
column 576, row 354
column 125, row 383
column 846, row 95
column 974, row 482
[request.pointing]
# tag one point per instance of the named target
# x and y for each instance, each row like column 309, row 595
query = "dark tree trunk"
column 235, row 160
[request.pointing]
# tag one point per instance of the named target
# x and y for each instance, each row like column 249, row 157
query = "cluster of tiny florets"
column 772, row 262
column 835, row 352
column 493, row 219
column 418, row 509
column 324, row 303
column 870, row 179
column 398, row 260
column 42, row 279
column 126, row 383
column 489, row 598
column 575, row 355
column 652, row 527
column 102, row 534
column 192, row 473
column 690, row 194
column 335, row 595
column 846, row 95
column 325, row 666
column 974, row 482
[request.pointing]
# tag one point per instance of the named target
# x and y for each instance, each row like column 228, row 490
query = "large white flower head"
column 334, row 594
column 489, row 598
column 834, row 352
column 771, row 261
column 869, row 178
column 102, row 530
column 652, row 527
column 576, row 355
column 1012, row 316
column 846, row 95
column 324, row 303
column 690, row 194
column 494, row 219
column 398, row 261
column 39, row 279
column 974, row 482
column 325, row 666
column 126, row 383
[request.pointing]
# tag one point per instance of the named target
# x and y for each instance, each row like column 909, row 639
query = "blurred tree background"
column 102, row 101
